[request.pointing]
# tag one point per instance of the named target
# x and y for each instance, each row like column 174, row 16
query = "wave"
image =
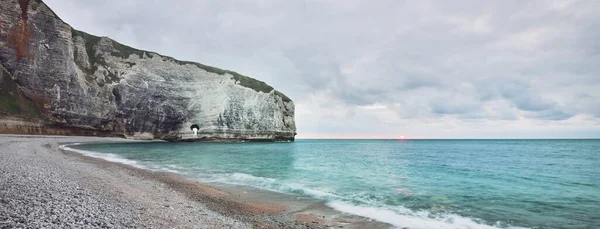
column 105, row 156
column 163, row 169
column 118, row 159
column 395, row 215
column 240, row 179
column 244, row 177
column 171, row 168
column 316, row 193
column 412, row 219
column 270, row 184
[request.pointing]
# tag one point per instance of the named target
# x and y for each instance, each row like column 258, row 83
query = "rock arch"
column 194, row 128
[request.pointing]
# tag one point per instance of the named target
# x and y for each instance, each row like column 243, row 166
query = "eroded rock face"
column 82, row 82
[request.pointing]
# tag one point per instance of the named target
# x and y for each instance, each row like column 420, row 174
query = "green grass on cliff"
column 14, row 105
column 89, row 41
column 8, row 105
column 124, row 51
column 243, row 80
column 11, row 100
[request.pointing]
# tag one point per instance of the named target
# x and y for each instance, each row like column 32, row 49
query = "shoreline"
column 245, row 206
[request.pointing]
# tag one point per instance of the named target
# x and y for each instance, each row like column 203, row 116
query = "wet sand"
column 127, row 196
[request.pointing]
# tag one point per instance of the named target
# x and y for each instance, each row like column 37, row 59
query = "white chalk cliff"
column 87, row 85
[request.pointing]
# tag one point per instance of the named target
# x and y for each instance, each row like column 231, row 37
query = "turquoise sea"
column 408, row 183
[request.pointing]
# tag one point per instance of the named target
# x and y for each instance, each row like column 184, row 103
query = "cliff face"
column 58, row 80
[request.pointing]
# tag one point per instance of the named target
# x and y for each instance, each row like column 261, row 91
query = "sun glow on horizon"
column 355, row 136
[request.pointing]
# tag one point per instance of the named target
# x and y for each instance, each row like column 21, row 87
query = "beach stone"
column 38, row 191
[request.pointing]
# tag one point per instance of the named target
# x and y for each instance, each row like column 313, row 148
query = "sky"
column 386, row 68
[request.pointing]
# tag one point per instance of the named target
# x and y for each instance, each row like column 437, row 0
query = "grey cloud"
column 523, row 98
column 550, row 114
column 450, row 108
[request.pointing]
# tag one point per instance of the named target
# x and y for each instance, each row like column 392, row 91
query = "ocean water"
column 408, row 183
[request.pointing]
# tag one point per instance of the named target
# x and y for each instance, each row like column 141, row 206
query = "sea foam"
column 270, row 184
column 398, row 216
column 105, row 156
column 411, row 219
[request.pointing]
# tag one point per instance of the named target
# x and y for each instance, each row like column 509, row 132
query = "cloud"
column 354, row 68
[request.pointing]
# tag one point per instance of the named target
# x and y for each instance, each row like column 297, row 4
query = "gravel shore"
column 41, row 187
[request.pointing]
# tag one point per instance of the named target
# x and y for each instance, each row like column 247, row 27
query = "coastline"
column 166, row 199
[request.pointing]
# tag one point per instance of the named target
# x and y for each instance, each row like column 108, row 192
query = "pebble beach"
column 44, row 186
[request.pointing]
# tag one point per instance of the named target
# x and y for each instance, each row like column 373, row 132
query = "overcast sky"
column 386, row 68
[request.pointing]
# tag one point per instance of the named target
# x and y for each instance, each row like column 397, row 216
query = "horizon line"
column 447, row 138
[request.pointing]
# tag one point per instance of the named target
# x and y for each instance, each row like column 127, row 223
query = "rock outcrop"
column 58, row 80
